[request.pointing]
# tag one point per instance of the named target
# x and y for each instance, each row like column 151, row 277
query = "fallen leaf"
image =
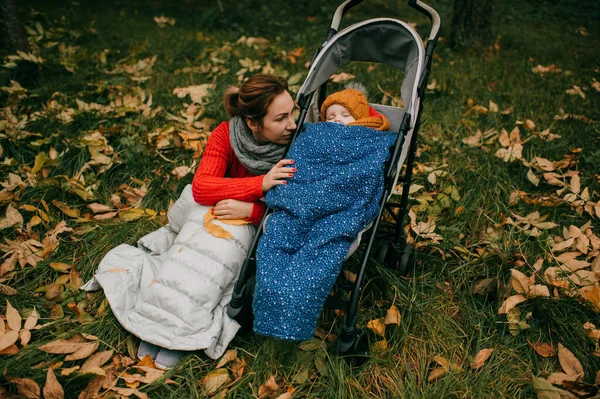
column 520, row 282
column 569, row 362
column 544, row 350
column 436, row 373
column 96, row 360
column 341, row 77
column 214, row 380
column 544, row 389
column 13, row 318
column 510, row 303
column 392, row 316
column 481, row 357
column 69, row 370
column 74, row 213
column 61, row 267
column 52, row 388
column 377, row 326
column 288, row 394
column 560, row 378
column 227, row 357
column 8, row 339
column 26, row 387
column 268, row 389
column 12, row 218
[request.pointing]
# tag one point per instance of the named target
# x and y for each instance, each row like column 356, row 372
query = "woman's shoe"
column 147, row 348
column 167, row 358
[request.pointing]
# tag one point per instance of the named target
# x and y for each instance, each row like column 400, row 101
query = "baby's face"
column 339, row 114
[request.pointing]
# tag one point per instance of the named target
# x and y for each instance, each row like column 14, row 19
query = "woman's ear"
column 253, row 125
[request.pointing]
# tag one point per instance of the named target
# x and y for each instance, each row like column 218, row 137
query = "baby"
column 350, row 107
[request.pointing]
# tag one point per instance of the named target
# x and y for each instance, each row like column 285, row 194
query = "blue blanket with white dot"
column 334, row 195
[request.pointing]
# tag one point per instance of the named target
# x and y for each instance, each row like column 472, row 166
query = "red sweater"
column 221, row 175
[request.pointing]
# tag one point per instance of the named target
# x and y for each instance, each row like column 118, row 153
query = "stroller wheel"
column 358, row 353
column 407, row 260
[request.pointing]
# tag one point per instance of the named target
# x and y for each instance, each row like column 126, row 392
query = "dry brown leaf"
column 11, row 350
column 436, row 373
column 288, row 394
column 69, row 370
column 13, row 318
column 559, row 378
column 510, row 303
column 8, row 339
column 214, row 380
column 341, row 77
column 238, row 367
column 481, row 358
column 26, row 387
column 96, row 360
column 569, row 362
column 52, row 388
column 543, row 349
column 538, row 290
column 106, row 216
column 92, row 389
column 230, row 355
column 268, row 389
column 377, row 326
column 74, row 213
column 99, row 208
column 520, row 282
column 31, row 320
column 25, row 336
column 392, row 316
column 379, row 346
column 129, row 391
column 84, row 351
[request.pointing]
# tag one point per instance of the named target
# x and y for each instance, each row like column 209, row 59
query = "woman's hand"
column 278, row 174
column 233, row 209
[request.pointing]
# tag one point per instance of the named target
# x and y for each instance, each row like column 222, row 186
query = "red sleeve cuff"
column 258, row 210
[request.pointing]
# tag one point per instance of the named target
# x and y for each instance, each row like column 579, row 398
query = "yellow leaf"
column 40, row 160
column 131, row 214
column 69, row 370
column 377, row 326
column 392, row 316
column 481, row 357
column 13, row 318
column 379, row 346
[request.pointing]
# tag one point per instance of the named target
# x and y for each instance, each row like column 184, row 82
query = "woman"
column 241, row 161
column 172, row 290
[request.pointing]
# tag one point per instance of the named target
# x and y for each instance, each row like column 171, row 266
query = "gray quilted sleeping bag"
column 172, row 290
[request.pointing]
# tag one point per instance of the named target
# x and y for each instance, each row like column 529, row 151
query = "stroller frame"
column 394, row 251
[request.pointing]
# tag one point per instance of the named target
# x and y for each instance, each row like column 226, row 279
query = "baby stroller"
column 380, row 40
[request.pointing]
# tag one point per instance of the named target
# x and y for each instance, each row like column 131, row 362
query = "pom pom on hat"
column 356, row 103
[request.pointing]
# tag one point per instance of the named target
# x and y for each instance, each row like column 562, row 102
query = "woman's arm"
column 210, row 184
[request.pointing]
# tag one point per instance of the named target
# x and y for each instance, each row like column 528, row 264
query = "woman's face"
column 278, row 124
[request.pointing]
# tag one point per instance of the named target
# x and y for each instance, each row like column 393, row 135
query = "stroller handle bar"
column 416, row 4
column 431, row 13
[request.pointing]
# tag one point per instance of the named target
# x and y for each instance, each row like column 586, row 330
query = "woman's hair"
column 254, row 97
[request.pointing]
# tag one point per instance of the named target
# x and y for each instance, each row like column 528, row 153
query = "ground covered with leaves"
column 104, row 122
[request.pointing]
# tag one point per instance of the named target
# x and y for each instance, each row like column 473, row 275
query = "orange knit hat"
column 356, row 102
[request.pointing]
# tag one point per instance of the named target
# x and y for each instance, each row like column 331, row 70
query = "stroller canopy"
column 382, row 40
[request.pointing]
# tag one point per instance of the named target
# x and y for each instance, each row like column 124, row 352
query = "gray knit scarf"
column 258, row 158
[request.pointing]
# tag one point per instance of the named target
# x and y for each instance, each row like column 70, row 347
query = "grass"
column 440, row 314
